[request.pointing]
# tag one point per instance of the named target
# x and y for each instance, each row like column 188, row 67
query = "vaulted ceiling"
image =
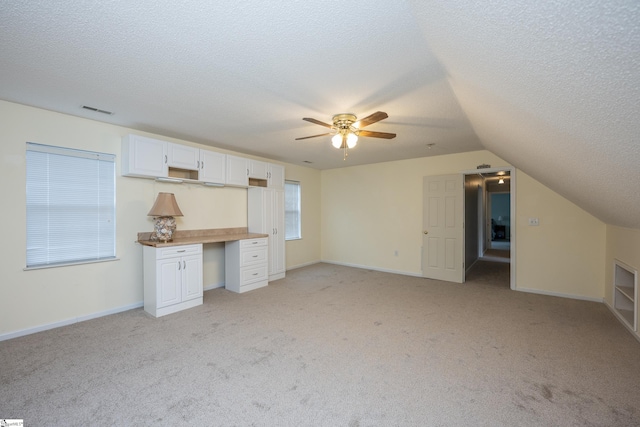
column 552, row 87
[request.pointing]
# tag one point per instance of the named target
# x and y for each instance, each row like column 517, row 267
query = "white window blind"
column 292, row 210
column 70, row 206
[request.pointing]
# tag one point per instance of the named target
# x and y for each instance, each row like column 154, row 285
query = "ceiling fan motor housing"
column 344, row 120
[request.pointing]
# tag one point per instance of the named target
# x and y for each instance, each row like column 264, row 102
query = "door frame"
column 512, row 212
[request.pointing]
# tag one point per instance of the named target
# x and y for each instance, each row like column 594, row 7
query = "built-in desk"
column 173, row 270
column 190, row 237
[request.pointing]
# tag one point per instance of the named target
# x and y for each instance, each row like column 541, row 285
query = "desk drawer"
column 176, row 251
column 253, row 256
column 253, row 274
column 252, row 243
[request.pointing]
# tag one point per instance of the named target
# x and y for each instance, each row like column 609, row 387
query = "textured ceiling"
column 552, row 87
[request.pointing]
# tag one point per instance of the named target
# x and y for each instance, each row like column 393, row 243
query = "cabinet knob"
column 425, row 232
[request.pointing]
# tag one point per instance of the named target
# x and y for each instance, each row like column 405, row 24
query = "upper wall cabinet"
column 275, row 176
column 212, row 167
column 257, row 169
column 182, row 156
column 153, row 158
column 144, row 157
column 237, row 171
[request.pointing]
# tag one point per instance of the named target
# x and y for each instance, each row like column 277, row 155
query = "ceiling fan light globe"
column 352, row 140
column 336, row 140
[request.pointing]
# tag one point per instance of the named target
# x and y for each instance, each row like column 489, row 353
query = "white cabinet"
column 144, row 157
column 257, row 169
column 275, row 176
column 182, row 156
column 246, row 266
column 152, row 158
column 266, row 215
column 212, row 167
column 237, row 171
column 172, row 278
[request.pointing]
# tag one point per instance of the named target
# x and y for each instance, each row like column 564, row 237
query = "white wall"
column 54, row 296
column 564, row 255
column 370, row 211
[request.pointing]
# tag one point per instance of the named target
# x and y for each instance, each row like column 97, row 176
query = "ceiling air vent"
column 97, row 110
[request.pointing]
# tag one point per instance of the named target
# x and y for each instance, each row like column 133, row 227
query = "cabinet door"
column 144, row 157
column 169, row 276
column 275, row 177
column 212, row 167
column 191, row 277
column 182, row 156
column 257, row 169
column 237, row 171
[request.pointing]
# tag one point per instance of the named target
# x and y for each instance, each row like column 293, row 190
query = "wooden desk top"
column 189, row 237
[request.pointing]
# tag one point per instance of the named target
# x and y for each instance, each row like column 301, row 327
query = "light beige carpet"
column 336, row 346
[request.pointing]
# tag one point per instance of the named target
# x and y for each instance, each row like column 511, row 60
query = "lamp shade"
column 165, row 205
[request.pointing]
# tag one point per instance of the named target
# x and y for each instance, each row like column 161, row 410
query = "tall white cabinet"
column 266, row 215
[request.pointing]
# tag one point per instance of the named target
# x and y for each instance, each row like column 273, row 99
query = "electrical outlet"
column 534, row 221
column 395, row 253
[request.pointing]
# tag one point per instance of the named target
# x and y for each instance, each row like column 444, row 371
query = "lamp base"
column 163, row 229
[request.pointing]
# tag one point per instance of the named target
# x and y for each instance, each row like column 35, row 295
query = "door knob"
column 425, row 232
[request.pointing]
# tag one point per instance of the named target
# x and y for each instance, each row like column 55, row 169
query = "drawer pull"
column 182, row 250
column 255, row 274
column 255, row 256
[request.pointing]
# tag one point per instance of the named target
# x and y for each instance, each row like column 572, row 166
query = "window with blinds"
column 292, row 210
column 71, row 206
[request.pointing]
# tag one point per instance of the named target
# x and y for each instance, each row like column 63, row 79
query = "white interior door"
column 443, row 228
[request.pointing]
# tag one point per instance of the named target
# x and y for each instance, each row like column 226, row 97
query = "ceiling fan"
column 346, row 128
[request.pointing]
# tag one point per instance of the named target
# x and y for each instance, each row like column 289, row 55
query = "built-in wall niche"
column 183, row 173
column 255, row 182
column 625, row 293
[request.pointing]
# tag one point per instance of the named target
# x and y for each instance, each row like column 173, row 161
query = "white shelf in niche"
column 625, row 293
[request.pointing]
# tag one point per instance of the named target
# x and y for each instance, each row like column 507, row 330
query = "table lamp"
column 164, row 209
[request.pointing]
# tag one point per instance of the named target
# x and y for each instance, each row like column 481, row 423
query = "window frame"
column 298, row 211
column 97, row 236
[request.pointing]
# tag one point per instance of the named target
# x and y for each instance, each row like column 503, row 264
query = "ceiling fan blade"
column 318, row 122
column 313, row 136
column 375, row 117
column 372, row 134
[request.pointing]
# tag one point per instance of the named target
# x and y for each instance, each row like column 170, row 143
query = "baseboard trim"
column 559, row 294
column 367, row 267
column 214, row 286
column 615, row 313
column 67, row 322
column 306, row 264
